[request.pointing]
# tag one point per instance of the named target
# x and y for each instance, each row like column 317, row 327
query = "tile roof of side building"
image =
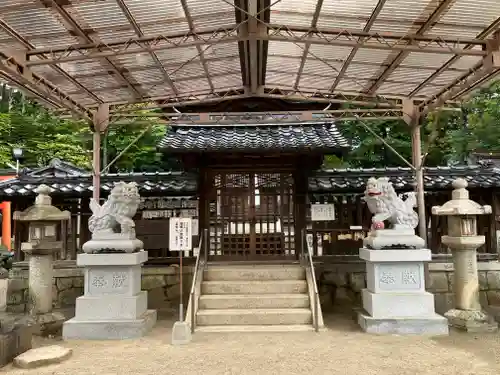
column 66, row 182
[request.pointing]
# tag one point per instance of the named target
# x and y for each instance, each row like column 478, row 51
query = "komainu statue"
column 384, row 204
column 111, row 224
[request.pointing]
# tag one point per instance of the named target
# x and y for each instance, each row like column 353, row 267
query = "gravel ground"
column 343, row 349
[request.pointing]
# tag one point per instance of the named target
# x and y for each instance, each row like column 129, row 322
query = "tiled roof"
column 435, row 178
column 179, row 183
column 320, row 136
column 149, row 183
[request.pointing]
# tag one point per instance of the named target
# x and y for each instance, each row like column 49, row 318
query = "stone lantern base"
column 113, row 305
column 471, row 321
column 395, row 300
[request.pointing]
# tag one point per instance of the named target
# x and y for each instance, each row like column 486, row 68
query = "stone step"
column 257, row 328
column 254, row 287
column 252, row 301
column 254, row 272
column 253, row 317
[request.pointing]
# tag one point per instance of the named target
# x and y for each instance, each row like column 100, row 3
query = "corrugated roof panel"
column 280, row 80
column 117, row 95
column 213, row 21
column 291, row 18
column 478, row 13
column 178, row 25
column 56, row 78
column 293, row 12
column 177, row 54
column 404, row 16
column 146, row 75
column 371, row 56
column 199, row 85
column 227, row 81
column 447, row 76
column 452, row 31
column 38, row 21
column 288, row 65
column 315, row 66
column 329, row 52
column 466, row 62
column 84, row 67
column 350, row 85
column 409, row 75
column 154, row 11
column 434, row 60
column 285, row 48
column 220, row 50
column 137, row 60
column 105, row 14
column 49, row 41
column 392, row 87
column 224, row 66
column 194, row 69
column 315, row 82
column 349, row 14
column 160, row 90
column 200, row 7
column 99, row 82
column 84, row 99
column 362, row 71
column 429, row 90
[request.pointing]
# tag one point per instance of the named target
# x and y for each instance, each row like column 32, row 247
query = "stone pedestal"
column 468, row 314
column 113, row 305
column 109, row 242
column 41, row 273
column 395, row 300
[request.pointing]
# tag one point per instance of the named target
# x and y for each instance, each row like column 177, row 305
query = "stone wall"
column 341, row 284
column 161, row 282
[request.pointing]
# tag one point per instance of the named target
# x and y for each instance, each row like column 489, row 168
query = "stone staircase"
column 255, row 297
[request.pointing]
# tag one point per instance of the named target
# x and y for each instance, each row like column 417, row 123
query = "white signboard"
column 181, row 234
column 322, row 212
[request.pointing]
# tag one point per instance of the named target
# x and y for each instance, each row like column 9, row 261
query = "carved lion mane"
column 120, row 208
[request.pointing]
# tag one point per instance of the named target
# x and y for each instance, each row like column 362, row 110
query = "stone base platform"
column 109, row 329
column 434, row 325
column 471, row 321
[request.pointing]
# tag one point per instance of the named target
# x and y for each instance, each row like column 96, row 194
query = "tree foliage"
column 44, row 136
column 448, row 137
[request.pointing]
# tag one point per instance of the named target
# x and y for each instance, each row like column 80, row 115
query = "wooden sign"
column 322, row 212
column 181, row 234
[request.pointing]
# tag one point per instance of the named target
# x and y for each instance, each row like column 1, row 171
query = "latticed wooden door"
column 253, row 217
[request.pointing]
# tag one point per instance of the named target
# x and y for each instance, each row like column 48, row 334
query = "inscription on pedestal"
column 106, row 282
column 387, row 277
column 399, row 277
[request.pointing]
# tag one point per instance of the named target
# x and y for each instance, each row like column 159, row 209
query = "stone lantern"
column 463, row 241
column 42, row 243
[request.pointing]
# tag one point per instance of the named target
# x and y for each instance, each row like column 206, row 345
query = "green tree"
column 481, row 125
column 41, row 135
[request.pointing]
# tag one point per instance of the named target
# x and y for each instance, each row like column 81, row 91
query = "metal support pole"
column 101, row 121
column 96, row 165
column 416, row 149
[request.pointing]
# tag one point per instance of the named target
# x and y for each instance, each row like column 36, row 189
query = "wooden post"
column 101, row 122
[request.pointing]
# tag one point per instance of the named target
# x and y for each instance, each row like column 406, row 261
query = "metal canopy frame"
column 105, row 60
column 76, row 55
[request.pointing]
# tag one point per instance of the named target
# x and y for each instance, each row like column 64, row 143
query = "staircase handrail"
column 310, row 264
column 201, row 259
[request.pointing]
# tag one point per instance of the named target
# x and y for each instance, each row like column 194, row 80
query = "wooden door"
column 253, row 216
